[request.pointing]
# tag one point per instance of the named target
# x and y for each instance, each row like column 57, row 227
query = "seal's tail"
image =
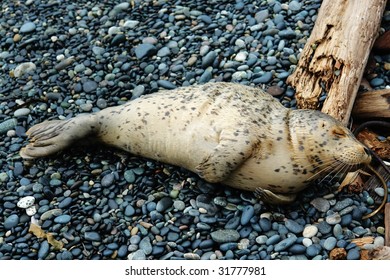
column 49, row 137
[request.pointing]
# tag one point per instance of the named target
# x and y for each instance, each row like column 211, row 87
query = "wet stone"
column 247, row 214
column 163, row 204
column 225, row 235
column 293, row 226
column 320, row 204
column 11, row 221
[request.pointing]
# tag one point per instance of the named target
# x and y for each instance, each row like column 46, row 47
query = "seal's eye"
column 338, row 132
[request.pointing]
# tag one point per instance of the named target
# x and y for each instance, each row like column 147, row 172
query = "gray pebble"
column 92, row 236
column 146, row 246
column 145, row 50
column 208, row 59
column 330, row 243
column 333, row 219
column 43, row 250
column 320, row 204
column 293, row 226
column 285, row 243
column 11, row 221
column 28, row 27
column 225, row 235
column 163, row 204
column 62, row 219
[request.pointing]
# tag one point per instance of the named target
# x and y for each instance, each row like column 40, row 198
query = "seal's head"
column 326, row 143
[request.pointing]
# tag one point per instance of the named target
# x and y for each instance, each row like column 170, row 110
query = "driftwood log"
column 334, row 57
column 372, row 104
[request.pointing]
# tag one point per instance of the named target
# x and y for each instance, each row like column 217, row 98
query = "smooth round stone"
column 310, row 231
column 129, row 211
column 241, row 56
column 261, row 239
column 333, row 219
column 287, row 34
column 313, row 250
column 62, row 219
column 129, row 176
column 321, row 204
column 22, row 112
column 297, row 249
column 163, row 204
column 24, row 68
column 324, row 227
column 208, row 59
column 172, row 236
column 145, row 50
column 26, row 202
column 89, row 86
column 43, row 250
column 164, row 51
column 273, row 240
column 307, row 242
column 293, row 226
column 330, row 243
column 265, row 224
column 7, row 125
column 135, row 239
column 247, row 214
column 206, row 76
column 28, row 27
column 376, row 82
column 228, row 246
column 233, row 223
column 11, row 221
column 353, row 254
column 360, row 231
column 225, row 235
column 379, row 241
column 380, row 191
column 31, row 211
column 92, row 236
column 108, row 180
column 340, row 205
column 65, row 203
column 137, row 255
column 264, row 79
column 285, row 243
column 179, row 205
column 337, row 230
column 146, row 246
column 166, row 84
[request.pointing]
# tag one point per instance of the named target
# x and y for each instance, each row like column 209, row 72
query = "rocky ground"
column 59, row 59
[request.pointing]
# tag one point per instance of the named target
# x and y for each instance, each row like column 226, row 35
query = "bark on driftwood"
column 335, row 55
column 372, row 104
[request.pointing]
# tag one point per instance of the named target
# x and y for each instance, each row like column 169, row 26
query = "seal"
column 227, row 133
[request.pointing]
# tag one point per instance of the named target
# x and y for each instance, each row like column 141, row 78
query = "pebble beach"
column 59, row 59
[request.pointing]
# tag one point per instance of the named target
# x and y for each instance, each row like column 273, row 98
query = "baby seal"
column 227, row 133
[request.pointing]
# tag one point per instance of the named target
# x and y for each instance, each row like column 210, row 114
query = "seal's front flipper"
column 50, row 137
column 234, row 147
column 272, row 198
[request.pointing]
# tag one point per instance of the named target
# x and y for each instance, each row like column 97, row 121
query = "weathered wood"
column 387, row 224
column 335, row 55
column 372, row 104
column 370, row 139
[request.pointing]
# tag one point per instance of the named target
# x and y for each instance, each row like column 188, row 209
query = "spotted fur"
column 227, row 133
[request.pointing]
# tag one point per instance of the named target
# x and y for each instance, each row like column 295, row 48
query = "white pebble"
column 31, row 211
column 310, row 231
column 241, row 56
column 379, row 241
column 307, row 242
column 26, row 202
column 23, row 68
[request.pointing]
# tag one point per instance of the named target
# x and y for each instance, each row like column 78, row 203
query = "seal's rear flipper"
column 272, row 198
column 50, row 137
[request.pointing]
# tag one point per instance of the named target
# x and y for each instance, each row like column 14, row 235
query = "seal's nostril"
column 367, row 150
